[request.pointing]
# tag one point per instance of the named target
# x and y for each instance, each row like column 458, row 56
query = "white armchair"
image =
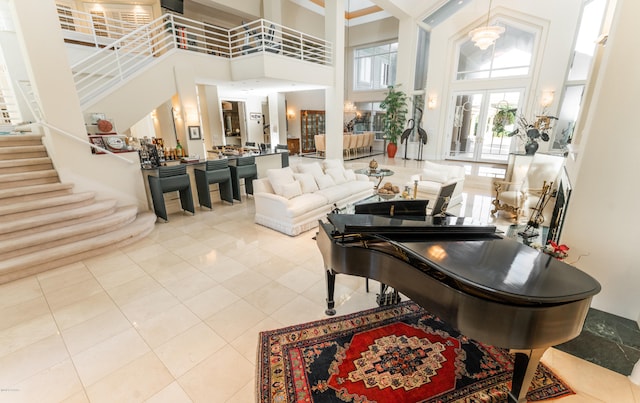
column 433, row 177
column 523, row 188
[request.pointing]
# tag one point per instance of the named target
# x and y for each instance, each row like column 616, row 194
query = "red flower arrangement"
column 559, row 251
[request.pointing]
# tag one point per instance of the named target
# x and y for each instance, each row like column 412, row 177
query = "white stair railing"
column 89, row 29
column 117, row 61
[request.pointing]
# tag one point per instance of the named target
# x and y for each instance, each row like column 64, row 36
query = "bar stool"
column 171, row 179
column 216, row 171
column 245, row 168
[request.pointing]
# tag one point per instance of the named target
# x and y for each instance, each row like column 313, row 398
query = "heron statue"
column 405, row 135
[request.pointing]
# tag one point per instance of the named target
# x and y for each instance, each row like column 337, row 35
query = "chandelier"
column 483, row 37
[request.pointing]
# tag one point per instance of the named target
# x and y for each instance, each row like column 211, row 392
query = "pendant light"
column 486, row 36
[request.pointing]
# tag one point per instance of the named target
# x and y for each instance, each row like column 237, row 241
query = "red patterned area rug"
column 397, row 353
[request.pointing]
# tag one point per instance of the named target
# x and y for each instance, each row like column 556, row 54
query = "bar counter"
column 264, row 161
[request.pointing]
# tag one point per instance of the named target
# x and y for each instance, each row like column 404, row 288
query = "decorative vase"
column 531, row 147
column 392, row 148
column 373, row 165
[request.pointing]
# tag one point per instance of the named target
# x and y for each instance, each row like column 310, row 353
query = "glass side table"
column 375, row 173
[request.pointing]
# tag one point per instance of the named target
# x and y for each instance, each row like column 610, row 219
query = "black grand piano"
column 492, row 289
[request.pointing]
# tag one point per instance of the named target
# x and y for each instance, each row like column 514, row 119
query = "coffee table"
column 375, row 173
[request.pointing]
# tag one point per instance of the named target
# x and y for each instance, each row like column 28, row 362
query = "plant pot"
column 392, row 148
column 531, row 148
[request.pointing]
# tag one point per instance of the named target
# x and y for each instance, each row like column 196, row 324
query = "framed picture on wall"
column 98, row 141
column 194, row 133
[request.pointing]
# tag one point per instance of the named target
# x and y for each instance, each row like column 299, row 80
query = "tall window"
column 375, row 67
column 482, row 110
column 583, row 53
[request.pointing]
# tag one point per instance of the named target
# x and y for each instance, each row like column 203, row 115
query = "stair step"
column 12, row 150
column 13, row 140
column 29, row 224
column 28, row 178
column 48, row 258
column 25, row 193
column 25, row 165
column 32, row 243
column 45, row 205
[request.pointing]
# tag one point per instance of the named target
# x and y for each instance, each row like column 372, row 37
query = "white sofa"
column 433, row 177
column 292, row 199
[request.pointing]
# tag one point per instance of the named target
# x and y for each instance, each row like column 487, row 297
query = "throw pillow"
column 325, row 181
column 332, row 163
column 349, row 175
column 314, row 169
column 307, row 183
column 280, row 177
column 337, row 174
column 291, row 190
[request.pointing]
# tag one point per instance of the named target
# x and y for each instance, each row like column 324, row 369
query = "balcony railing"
column 120, row 58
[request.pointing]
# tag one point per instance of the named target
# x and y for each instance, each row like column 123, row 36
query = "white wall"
column 302, row 100
column 602, row 224
column 301, row 19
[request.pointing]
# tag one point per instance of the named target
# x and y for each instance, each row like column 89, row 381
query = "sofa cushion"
column 324, row 181
column 429, row 187
column 313, row 168
column 335, row 193
column 307, row 182
column 291, row 190
column 332, row 163
column 350, row 175
column 303, row 204
column 433, row 175
column 279, row 178
column 337, row 174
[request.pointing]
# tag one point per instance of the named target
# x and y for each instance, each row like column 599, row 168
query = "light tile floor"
column 175, row 317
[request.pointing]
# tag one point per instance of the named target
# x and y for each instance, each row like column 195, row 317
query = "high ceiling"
column 356, row 12
column 363, row 11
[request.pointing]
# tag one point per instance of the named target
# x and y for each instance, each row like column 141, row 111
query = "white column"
column 277, row 119
column 334, row 96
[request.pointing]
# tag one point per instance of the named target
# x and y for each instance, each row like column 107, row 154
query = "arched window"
column 510, row 56
column 484, row 109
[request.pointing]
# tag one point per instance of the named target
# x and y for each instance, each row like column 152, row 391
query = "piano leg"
column 524, row 368
column 331, row 283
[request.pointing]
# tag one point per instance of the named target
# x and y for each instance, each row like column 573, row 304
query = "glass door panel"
column 481, row 122
column 501, row 119
column 466, row 112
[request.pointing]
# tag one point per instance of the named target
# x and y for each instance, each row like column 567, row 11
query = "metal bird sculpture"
column 404, row 137
column 421, row 132
column 405, row 134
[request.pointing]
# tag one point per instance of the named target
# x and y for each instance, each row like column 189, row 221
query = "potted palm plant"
column 395, row 107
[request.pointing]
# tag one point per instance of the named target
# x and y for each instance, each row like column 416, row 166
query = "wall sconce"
column 291, row 115
column 432, row 102
column 176, row 113
column 547, row 98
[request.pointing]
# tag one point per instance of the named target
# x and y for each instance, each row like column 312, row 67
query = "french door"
column 480, row 123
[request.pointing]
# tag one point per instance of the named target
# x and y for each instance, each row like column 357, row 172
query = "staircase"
column 44, row 224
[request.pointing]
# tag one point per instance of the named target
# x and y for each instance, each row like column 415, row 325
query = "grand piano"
column 492, row 289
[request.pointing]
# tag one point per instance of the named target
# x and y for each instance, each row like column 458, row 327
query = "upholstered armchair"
column 523, row 188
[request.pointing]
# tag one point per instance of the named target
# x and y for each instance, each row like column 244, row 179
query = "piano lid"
column 376, row 224
column 507, row 268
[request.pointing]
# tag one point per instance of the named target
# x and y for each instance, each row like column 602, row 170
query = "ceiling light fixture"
column 486, row 36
